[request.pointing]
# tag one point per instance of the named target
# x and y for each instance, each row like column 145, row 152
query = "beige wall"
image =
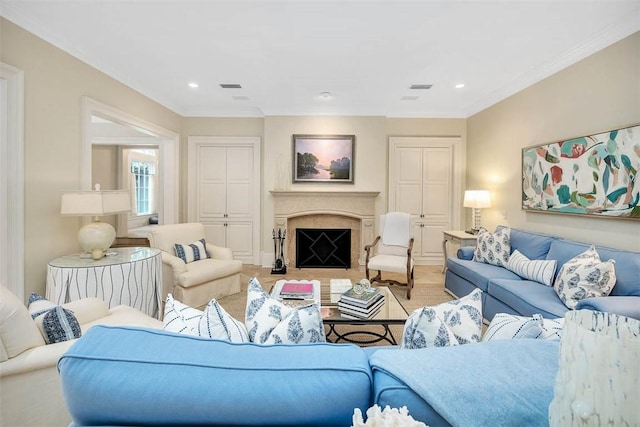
column 600, row 93
column 276, row 133
column 55, row 83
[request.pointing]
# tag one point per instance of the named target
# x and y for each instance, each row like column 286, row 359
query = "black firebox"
column 323, row 248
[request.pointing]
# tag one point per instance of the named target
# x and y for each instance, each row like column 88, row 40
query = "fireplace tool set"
column 279, row 266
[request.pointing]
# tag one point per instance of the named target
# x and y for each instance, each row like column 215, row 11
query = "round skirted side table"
column 129, row 276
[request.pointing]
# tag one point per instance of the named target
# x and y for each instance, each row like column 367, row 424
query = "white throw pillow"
column 217, row 323
column 271, row 322
column 508, row 326
column 493, row 248
column 540, row 271
column 505, row 326
column 451, row 323
column 180, row 318
column 192, row 252
column 552, row 328
column 214, row 322
column 17, row 330
column 585, row 276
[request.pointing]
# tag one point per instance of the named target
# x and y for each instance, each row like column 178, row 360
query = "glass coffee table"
column 356, row 331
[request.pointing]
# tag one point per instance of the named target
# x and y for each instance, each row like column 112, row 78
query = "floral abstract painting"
column 591, row 175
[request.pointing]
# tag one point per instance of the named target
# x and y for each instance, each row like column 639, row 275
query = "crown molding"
column 606, row 37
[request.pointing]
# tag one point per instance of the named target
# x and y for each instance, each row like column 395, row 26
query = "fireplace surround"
column 327, row 209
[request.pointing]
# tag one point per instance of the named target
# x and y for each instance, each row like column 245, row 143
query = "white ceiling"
column 366, row 53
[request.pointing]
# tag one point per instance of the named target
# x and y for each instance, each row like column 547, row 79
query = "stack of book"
column 360, row 306
column 297, row 290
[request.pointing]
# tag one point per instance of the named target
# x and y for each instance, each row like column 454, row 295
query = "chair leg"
column 409, row 284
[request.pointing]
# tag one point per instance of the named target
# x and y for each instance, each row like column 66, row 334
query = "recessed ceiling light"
column 325, row 95
column 420, row 86
column 193, row 85
column 459, row 85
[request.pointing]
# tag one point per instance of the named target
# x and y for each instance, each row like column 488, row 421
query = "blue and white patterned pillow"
column 217, row 323
column 451, row 323
column 192, row 252
column 493, row 248
column 271, row 322
column 585, row 276
column 506, row 326
column 180, row 318
column 540, row 271
column 56, row 324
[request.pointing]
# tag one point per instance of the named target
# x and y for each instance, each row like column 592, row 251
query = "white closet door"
column 224, row 185
column 424, row 180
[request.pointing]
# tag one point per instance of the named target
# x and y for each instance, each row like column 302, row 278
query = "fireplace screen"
column 323, row 248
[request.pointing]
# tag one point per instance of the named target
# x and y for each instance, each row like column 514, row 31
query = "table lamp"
column 476, row 199
column 96, row 237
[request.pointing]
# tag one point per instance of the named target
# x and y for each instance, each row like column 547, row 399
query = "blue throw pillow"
column 192, row 252
column 56, row 324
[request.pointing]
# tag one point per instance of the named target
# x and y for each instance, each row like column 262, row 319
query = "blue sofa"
column 132, row 376
column 506, row 292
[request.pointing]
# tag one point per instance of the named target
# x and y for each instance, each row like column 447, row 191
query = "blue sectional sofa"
column 506, row 292
column 132, row 376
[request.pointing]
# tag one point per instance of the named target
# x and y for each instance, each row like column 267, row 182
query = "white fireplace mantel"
column 354, row 204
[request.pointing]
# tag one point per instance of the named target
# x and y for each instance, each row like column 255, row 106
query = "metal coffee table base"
column 335, row 336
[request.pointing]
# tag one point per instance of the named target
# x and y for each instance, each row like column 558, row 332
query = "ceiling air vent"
column 421, row 86
column 240, row 98
column 230, row 86
column 409, row 98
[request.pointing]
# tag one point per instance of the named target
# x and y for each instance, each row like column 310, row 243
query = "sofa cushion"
column 479, row 273
column 627, row 263
column 450, row 323
column 538, row 270
column 493, row 248
column 206, row 270
column 505, row 326
column 192, row 252
column 56, row 324
column 210, row 382
column 584, row 276
column 532, row 245
column 269, row 321
column 527, row 297
column 18, row 332
column 517, row 376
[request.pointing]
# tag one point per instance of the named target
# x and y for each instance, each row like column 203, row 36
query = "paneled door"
column 424, row 180
column 224, row 183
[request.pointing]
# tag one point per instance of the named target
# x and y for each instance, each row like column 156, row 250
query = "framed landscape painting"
column 594, row 175
column 323, row 158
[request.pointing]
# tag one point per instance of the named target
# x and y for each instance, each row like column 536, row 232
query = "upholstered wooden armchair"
column 191, row 276
column 392, row 250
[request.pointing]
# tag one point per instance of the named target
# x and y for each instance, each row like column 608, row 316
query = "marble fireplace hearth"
column 354, row 210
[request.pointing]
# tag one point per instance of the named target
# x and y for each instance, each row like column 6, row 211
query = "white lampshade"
column 95, row 203
column 477, row 199
column 96, row 237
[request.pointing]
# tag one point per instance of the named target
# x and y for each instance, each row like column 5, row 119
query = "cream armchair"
column 30, row 390
column 194, row 283
column 392, row 250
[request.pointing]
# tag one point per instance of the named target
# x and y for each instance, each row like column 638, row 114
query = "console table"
column 459, row 237
column 130, row 276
